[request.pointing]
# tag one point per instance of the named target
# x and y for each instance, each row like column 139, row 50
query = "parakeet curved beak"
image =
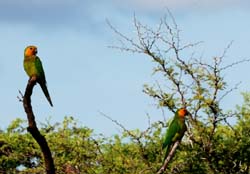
column 188, row 115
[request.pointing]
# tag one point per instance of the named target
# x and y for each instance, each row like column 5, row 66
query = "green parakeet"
column 176, row 130
column 33, row 67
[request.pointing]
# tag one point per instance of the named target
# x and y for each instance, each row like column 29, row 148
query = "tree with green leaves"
column 186, row 81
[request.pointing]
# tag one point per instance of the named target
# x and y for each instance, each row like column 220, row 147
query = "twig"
column 226, row 49
column 133, row 137
column 234, row 63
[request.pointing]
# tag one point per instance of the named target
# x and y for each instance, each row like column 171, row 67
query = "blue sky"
column 84, row 76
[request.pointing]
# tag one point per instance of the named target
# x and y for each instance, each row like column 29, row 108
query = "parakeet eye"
column 30, row 48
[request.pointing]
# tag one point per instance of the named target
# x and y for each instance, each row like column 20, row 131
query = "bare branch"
column 226, row 49
column 114, row 121
column 234, row 63
column 190, row 45
column 169, row 157
column 33, row 130
column 125, row 38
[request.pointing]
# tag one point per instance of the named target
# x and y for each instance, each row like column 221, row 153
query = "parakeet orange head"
column 30, row 51
column 182, row 112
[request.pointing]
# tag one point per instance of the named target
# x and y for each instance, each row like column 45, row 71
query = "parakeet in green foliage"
column 176, row 130
column 33, row 67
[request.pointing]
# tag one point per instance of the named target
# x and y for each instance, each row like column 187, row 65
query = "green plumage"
column 34, row 69
column 175, row 131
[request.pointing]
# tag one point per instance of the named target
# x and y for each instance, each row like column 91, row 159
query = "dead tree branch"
column 33, row 130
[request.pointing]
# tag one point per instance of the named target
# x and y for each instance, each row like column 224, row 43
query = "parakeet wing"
column 39, row 68
column 171, row 132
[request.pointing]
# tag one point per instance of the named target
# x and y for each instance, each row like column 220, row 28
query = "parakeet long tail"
column 167, row 152
column 46, row 92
